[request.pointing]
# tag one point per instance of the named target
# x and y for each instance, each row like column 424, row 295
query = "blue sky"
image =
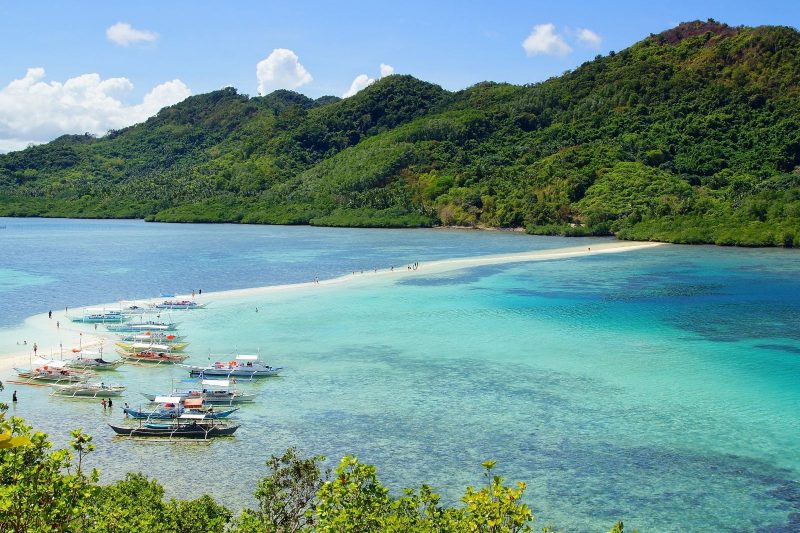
column 208, row 45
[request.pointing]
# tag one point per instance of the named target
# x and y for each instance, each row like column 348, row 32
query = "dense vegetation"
column 43, row 491
column 691, row 135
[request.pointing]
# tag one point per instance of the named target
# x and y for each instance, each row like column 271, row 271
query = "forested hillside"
column 691, row 135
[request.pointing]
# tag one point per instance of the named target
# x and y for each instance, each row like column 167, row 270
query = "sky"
column 91, row 66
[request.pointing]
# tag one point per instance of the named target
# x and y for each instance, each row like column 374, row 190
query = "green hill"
column 691, row 135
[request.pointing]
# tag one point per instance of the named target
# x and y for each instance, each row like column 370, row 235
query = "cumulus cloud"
column 362, row 80
column 544, row 40
column 386, row 70
column 123, row 34
column 281, row 70
column 33, row 110
column 589, row 38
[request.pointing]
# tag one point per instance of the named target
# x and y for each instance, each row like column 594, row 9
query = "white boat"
column 87, row 390
column 100, row 316
column 52, row 372
column 213, row 391
column 150, row 346
column 163, row 337
column 150, row 325
column 242, row 366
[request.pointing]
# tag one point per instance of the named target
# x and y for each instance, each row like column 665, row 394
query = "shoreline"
column 54, row 341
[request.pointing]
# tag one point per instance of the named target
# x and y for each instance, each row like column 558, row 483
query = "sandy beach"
column 58, row 337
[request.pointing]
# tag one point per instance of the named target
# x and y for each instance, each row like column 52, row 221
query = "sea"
column 659, row 386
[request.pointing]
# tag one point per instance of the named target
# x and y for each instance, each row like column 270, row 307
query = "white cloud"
column 362, row 80
column 544, row 40
column 33, row 110
column 589, row 38
column 386, row 70
column 281, row 70
column 124, row 34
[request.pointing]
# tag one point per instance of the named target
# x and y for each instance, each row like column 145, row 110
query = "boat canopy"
column 247, row 357
column 216, row 382
column 167, row 399
column 193, row 402
column 49, row 363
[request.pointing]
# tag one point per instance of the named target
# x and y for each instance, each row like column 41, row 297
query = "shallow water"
column 658, row 386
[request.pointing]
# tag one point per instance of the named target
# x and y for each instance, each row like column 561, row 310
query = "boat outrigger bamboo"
column 190, row 426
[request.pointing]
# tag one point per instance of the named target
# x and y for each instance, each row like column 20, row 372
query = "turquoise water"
column 658, row 386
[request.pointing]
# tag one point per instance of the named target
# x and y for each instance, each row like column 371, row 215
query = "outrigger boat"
column 179, row 304
column 151, row 346
column 53, row 371
column 163, row 337
column 88, row 390
column 214, row 392
column 171, row 408
column 189, row 426
column 243, row 366
column 90, row 360
column 138, row 327
column 100, row 317
column 152, row 357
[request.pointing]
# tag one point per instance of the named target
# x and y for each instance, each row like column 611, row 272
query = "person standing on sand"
column 49, row 314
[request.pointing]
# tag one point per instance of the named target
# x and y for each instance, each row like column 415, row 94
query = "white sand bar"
column 51, row 340
column 447, row 265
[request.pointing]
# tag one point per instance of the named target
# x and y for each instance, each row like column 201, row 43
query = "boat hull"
column 169, row 431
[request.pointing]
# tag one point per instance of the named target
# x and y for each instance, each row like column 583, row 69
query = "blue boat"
column 169, row 413
column 179, row 304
